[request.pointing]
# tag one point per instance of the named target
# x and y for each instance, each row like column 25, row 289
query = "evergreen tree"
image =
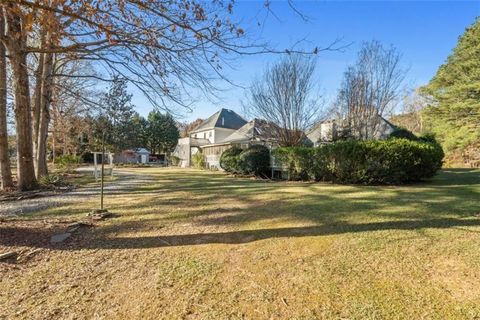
column 162, row 131
column 115, row 117
column 454, row 114
column 139, row 132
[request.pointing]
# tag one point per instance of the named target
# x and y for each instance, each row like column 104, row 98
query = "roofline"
column 389, row 123
column 210, row 128
column 216, row 144
column 216, row 119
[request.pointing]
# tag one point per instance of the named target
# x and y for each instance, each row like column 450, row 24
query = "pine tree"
column 454, row 114
column 115, row 117
column 163, row 133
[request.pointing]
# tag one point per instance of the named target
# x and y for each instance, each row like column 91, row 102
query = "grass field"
column 190, row 244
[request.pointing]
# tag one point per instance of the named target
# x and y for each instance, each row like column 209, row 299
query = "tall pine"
column 454, row 114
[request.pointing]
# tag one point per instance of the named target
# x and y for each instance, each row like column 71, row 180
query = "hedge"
column 254, row 160
column 392, row 161
column 403, row 133
column 229, row 160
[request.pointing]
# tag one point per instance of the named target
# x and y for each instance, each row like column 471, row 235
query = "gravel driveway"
column 124, row 182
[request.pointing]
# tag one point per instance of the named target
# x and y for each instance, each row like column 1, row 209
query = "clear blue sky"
column 424, row 31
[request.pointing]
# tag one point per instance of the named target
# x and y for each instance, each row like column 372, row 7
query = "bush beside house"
column 229, row 160
column 254, row 160
column 403, row 133
column 392, row 161
column 198, row 160
column 175, row 161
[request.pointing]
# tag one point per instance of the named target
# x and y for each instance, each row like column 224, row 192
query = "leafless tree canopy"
column 286, row 95
column 370, row 89
column 166, row 49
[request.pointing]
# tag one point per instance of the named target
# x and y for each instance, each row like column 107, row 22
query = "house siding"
column 212, row 155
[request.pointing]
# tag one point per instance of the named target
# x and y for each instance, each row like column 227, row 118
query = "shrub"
column 51, row 181
column 175, row 160
column 403, row 133
column 428, row 137
column 391, row 161
column 297, row 160
column 230, row 158
column 67, row 160
column 254, row 160
column 198, row 160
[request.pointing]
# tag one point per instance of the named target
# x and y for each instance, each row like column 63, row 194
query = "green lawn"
column 190, row 244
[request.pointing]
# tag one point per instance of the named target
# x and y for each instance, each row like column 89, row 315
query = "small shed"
column 143, row 155
column 137, row 155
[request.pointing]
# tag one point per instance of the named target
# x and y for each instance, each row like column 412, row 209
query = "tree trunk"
column 5, row 171
column 16, row 43
column 36, row 104
column 44, row 118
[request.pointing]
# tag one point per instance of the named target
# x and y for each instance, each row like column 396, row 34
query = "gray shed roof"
column 141, row 150
column 224, row 118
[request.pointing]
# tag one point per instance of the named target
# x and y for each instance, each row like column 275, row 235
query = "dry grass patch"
column 190, row 244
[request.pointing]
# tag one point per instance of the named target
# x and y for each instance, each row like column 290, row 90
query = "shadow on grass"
column 212, row 199
column 245, row 236
column 36, row 238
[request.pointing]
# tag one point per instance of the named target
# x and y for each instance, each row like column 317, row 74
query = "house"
column 213, row 131
column 333, row 129
column 226, row 128
column 253, row 132
column 218, row 133
column 138, row 155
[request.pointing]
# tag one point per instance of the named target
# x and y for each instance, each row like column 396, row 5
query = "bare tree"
column 5, row 171
column 413, row 104
column 370, row 89
column 286, row 95
column 185, row 127
column 163, row 48
column 15, row 40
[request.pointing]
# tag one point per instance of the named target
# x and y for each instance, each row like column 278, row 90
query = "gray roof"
column 256, row 129
column 141, row 150
column 224, row 118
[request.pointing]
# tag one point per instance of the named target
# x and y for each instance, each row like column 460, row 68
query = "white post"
column 95, row 162
column 110, row 156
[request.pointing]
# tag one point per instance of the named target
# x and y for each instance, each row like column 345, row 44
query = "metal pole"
column 103, row 165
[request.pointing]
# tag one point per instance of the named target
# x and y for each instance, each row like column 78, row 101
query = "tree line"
column 373, row 88
column 287, row 94
column 49, row 46
column 53, row 53
column 117, row 125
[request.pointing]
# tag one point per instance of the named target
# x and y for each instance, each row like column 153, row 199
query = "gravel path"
column 125, row 181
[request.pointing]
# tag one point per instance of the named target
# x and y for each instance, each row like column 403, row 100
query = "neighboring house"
column 212, row 131
column 138, row 155
column 218, row 126
column 256, row 131
column 226, row 128
column 332, row 129
column 218, row 133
